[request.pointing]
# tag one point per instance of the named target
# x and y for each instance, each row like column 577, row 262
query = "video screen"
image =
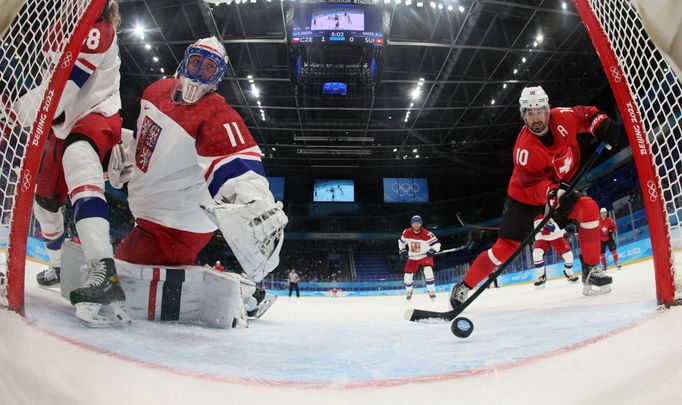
column 326, row 190
column 406, row 190
column 342, row 17
column 277, row 187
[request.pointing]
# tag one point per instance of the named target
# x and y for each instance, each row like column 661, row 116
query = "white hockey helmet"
column 533, row 97
column 603, row 211
column 195, row 78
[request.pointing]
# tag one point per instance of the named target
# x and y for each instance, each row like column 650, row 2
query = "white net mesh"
column 657, row 93
column 34, row 34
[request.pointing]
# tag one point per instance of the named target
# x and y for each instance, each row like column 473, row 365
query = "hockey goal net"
column 40, row 40
column 647, row 85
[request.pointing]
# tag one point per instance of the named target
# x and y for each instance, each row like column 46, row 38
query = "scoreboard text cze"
column 311, row 37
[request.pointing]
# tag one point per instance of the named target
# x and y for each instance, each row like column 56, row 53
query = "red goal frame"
column 649, row 181
column 23, row 202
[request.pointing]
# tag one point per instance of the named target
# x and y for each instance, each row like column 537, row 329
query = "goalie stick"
column 416, row 315
column 465, row 224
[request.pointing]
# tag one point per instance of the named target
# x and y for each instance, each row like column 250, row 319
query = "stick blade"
column 417, row 315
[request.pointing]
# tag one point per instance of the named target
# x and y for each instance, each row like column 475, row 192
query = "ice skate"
column 432, row 295
column 263, row 306
column 100, row 301
column 571, row 278
column 3, row 283
column 408, row 296
column 595, row 282
column 459, row 294
column 617, row 266
column 48, row 277
column 540, row 282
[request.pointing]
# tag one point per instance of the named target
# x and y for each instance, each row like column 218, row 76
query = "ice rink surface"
column 548, row 346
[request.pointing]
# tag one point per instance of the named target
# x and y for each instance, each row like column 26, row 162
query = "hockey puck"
column 462, row 327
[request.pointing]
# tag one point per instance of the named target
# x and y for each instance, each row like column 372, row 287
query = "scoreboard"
column 354, row 37
column 334, row 23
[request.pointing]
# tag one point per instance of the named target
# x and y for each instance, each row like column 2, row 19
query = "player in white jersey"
column 86, row 127
column 193, row 165
column 551, row 236
column 417, row 246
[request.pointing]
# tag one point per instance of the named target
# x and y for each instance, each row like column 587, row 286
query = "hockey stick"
column 415, row 315
column 472, row 226
column 466, row 245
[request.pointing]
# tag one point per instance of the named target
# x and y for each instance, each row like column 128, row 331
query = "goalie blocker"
column 182, row 293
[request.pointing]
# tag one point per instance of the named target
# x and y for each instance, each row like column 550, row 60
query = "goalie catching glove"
column 254, row 231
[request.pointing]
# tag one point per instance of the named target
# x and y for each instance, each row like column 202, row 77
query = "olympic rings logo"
column 651, row 188
column 406, row 189
column 67, row 60
column 615, row 73
column 26, row 182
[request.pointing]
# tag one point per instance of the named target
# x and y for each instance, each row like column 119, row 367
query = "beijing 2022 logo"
column 405, row 189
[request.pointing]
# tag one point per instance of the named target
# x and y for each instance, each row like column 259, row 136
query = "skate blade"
column 592, row 290
column 540, row 287
column 572, row 281
column 95, row 315
column 265, row 305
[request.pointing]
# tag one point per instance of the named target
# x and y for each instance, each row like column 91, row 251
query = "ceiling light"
column 450, row 8
column 539, row 38
column 523, row 60
column 147, row 46
column 405, row 121
column 255, row 90
column 433, row 4
column 258, row 102
column 415, row 93
column 461, row 9
column 408, row 2
column 535, row 43
column 139, row 30
column 395, row 149
column 504, row 86
column 273, row 148
column 411, row 105
column 398, row 1
column 492, row 102
column 420, row 4
column 440, row 6
column 414, row 150
column 162, row 70
column 417, row 156
column 155, row 59
column 516, row 71
column 563, row 5
column 387, row 1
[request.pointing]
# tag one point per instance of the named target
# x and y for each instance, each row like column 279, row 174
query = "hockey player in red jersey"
column 86, row 127
column 417, row 246
column 607, row 227
column 194, row 167
column 551, row 236
column 546, row 155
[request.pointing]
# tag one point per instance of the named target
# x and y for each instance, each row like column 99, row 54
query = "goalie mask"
column 200, row 70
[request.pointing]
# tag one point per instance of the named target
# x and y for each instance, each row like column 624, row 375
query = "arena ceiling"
column 474, row 58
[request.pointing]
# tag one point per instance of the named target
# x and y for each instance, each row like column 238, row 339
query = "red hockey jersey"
column 537, row 166
column 606, row 228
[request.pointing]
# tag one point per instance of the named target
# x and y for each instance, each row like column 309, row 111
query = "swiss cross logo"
column 563, row 164
column 415, row 247
column 149, row 135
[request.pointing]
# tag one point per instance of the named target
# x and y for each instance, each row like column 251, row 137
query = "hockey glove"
column 404, row 255
column 554, row 194
column 430, row 253
column 120, row 171
column 605, row 129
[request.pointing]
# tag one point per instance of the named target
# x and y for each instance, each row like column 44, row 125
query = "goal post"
column 37, row 52
column 649, row 97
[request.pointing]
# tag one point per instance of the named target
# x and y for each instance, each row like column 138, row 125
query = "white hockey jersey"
column 550, row 231
column 185, row 154
column 92, row 87
column 418, row 244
